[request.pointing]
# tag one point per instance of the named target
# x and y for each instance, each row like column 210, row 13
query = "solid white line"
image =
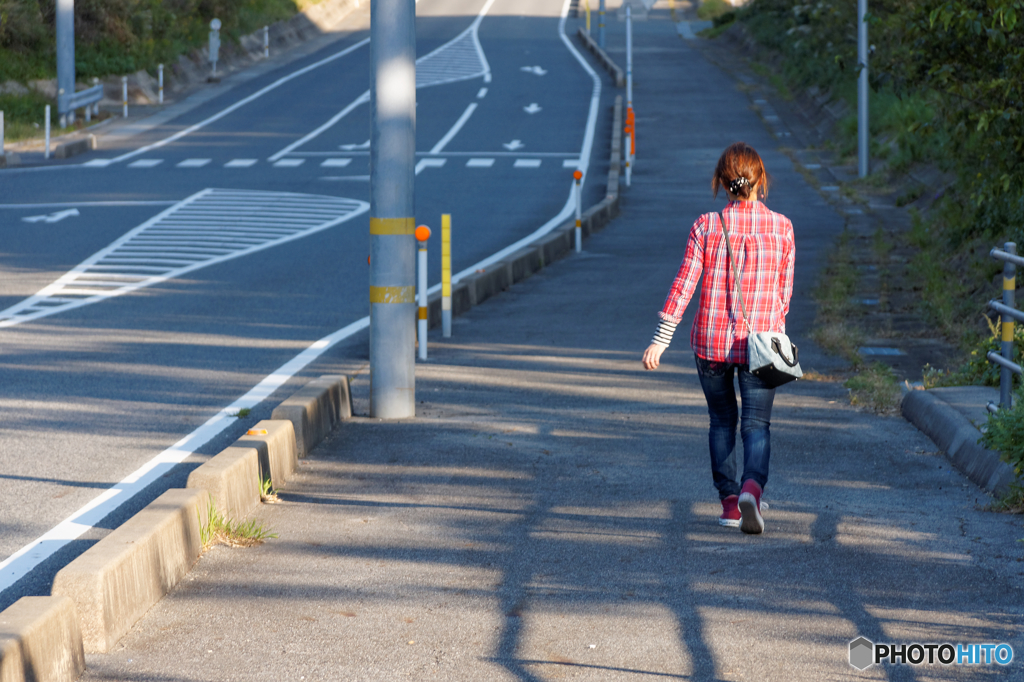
column 90, row 203
column 241, row 103
column 439, row 147
column 24, row 560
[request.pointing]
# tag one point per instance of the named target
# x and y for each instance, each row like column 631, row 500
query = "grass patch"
column 834, row 294
column 242, row 413
column 710, row 10
column 876, row 388
column 219, row 530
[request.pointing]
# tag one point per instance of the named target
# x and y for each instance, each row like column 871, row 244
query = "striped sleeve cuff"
column 663, row 334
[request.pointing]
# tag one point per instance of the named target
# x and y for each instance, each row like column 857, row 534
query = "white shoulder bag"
column 771, row 356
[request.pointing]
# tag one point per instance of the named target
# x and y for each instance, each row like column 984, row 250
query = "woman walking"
column 762, row 244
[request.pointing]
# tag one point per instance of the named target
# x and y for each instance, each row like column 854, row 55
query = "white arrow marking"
column 350, row 147
column 536, row 70
column 513, row 145
column 52, row 217
column 532, row 109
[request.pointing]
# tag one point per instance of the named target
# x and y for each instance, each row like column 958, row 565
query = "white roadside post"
column 214, row 45
column 446, row 275
column 46, row 130
column 422, row 235
column 95, row 106
column 862, row 89
column 124, row 96
column 1, row 133
column 630, row 126
column 578, row 175
column 266, row 42
column 160, row 83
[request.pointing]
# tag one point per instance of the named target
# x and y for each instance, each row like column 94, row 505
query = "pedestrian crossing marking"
column 479, row 163
column 194, row 163
column 289, row 163
column 207, row 228
column 526, row 163
column 335, row 163
column 145, row 163
column 570, row 163
column 240, row 163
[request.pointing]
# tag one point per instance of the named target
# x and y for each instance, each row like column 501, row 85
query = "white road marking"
column 535, row 70
column 570, row 163
column 31, row 555
column 98, row 163
column 354, row 147
column 532, row 109
column 289, row 163
column 358, row 178
column 145, row 163
column 240, row 163
column 207, row 228
column 53, row 217
column 429, row 163
column 335, row 163
column 461, row 58
column 439, row 147
column 90, row 203
column 481, row 93
column 240, row 103
column 479, row 163
column 193, row 163
column 526, row 163
column 513, row 145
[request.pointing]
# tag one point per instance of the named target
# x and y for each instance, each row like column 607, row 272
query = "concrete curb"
column 602, row 56
column 40, row 640
column 232, row 478
column 274, row 442
column 80, row 146
column 958, row 437
column 315, row 410
column 114, row 582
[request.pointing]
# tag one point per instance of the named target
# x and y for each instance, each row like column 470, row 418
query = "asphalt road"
column 242, row 241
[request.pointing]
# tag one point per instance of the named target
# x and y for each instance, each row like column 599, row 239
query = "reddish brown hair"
column 740, row 160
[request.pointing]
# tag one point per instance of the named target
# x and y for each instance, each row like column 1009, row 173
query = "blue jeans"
column 716, row 378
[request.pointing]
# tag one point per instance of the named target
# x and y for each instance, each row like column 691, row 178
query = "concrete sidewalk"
column 549, row 514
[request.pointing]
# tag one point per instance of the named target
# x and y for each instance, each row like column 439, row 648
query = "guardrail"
column 88, row 98
column 1007, row 313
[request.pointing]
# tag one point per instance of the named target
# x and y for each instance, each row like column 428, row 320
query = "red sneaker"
column 750, row 508
column 730, row 513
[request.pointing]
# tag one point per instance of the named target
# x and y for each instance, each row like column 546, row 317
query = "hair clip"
column 737, row 185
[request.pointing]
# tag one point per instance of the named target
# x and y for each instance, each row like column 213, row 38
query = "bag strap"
column 737, row 275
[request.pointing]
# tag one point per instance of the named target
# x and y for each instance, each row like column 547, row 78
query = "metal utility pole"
column 65, row 25
column 600, row 26
column 392, row 244
column 862, row 89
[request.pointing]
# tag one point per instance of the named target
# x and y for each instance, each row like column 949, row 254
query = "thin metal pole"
column 862, row 89
column 46, row 129
column 446, row 275
column 600, row 25
column 422, row 235
column 266, row 42
column 392, row 245
column 629, row 55
column 588, row 15
column 124, row 96
column 1009, row 290
column 578, row 175
column 629, row 156
column 160, row 75
column 1, row 133
column 65, row 29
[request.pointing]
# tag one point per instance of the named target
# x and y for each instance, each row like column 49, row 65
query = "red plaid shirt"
column 762, row 243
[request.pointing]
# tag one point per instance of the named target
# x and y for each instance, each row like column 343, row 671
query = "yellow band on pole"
column 392, row 294
column 446, row 254
column 1009, row 283
column 423, row 313
column 1008, row 331
column 385, row 226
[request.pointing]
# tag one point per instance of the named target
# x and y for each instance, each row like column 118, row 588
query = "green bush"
column 1005, row 434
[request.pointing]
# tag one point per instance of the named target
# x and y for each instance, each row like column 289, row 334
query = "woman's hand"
column 652, row 356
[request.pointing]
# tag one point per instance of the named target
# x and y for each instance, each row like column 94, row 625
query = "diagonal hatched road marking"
column 209, row 227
